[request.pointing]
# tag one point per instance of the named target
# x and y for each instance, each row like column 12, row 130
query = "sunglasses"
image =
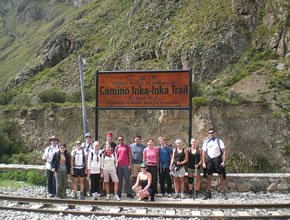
column 88, row 136
column 120, row 139
column 79, row 143
column 210, row 132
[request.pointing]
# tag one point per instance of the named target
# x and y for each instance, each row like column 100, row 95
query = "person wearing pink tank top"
column 151, row 158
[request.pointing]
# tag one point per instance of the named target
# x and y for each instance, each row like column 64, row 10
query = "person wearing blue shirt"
column 137, row 149
column 165, row 153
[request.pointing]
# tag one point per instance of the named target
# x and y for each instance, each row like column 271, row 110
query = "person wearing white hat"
column 47, row 157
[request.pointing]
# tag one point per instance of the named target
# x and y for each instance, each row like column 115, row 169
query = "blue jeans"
column 123, row 172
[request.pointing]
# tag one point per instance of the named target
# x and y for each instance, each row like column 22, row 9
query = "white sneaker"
column 159, row 195
column 165, row 194
column 169, row 195
column 107, row 197
column 117, row 197
column 176, row 195
column 98, row 195
column 182, row 195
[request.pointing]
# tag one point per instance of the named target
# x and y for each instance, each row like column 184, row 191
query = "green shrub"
column 199, row 101
column 9, row 142
column 5, row 98
column 31, row 176
column 52, row 95
column 195, row 89
column 75, row 97
column 35, row 178
column 33, row 157
column 22, row 100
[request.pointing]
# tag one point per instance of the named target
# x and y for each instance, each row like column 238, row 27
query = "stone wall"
column 252, row 130
column 236, row 182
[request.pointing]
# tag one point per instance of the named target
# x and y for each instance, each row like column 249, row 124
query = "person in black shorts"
column 214, row 157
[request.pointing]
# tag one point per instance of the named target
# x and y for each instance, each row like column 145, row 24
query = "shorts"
column 79, row 172
column 213, row 165
column 135, row 169
column 108, row 173
column 179, row 173
column 192, row 171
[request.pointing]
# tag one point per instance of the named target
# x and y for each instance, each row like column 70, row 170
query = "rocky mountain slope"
column 239, row 52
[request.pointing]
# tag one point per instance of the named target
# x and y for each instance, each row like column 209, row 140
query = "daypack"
column 83, row 152
column 218, row 141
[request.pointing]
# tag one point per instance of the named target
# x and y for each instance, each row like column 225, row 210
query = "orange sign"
column 143, row 89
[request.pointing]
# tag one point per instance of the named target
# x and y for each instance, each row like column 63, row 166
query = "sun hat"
column 143, row 165
column 53, row 138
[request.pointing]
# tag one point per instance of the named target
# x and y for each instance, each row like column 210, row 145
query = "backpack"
column 218, row 141
column 83, row 152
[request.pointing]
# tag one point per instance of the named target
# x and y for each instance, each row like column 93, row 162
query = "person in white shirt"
column 94, row 168
column 79, row 158
column 47, row 157
column 214, row 157
column 108, row 169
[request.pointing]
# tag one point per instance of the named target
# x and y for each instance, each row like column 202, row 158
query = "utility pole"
column 84, row 111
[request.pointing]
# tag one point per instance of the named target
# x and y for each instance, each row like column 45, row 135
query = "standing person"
column 94, row 168
column 151, row 158
column 142, row 186
column 47, row 157
column 108, row 169
column 87, row 145
column 137, row 149
column 177, row 166
column 194, row 162
column 123, row 153
column 79, row 158
column 109, row 139
column 165, row 154
column 214, row 158
column 60, row 165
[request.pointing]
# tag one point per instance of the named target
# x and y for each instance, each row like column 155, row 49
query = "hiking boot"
column 130, row 195
column 152, row 199
column 75, row 195
column 82, row 196
column 117, row 197
column 196, row 194
column 207, row 196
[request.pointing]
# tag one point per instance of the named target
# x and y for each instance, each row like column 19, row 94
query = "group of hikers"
column 101, row 169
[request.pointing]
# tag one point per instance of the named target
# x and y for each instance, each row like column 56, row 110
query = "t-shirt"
column 137, row 153
column 62, row 165
column 79, row 162
column 122, row 152
column 48, row 154
column 212, row 147
column 151, row 155
column 164, row 154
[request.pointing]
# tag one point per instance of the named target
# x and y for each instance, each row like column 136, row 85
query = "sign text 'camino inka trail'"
column 144, row 89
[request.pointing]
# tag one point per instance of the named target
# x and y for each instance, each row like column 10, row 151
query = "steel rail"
column 173, row 204
column 97, row 213
column 47, row 207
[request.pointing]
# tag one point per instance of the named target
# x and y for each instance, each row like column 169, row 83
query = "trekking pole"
column 195, row 176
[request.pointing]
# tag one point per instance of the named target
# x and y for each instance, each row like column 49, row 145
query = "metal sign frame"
column 123, row 92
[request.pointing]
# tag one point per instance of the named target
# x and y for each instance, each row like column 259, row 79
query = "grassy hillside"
column 221, row 41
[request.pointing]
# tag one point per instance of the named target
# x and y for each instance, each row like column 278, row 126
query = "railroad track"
column 146, row 209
